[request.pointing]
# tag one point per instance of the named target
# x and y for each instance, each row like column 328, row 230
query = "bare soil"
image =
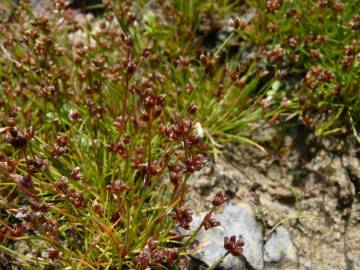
column 309, row 185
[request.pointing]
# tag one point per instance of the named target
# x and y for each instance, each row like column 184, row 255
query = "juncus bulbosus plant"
column 95, row 149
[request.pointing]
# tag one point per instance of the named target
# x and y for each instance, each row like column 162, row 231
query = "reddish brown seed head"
column 235, row 247
column 219, row 199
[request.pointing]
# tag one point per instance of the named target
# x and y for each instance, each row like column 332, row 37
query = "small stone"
column 204, row 178
column 236, row 219
column 264, row 134
column 307, row 264
column 228, row 184
column 279, row 247
column 244, row 195
column 283, row 195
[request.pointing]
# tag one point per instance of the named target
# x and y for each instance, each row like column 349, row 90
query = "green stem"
column 192, row 237
column 147, row 179
column 224, row 43
column 220, row 260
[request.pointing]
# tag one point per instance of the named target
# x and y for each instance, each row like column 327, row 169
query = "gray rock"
column 352, row 166
column 228, row 184
column 339, row 176
column 279, row 247
column 236, row 219
column 204, row 178
column 264, row 133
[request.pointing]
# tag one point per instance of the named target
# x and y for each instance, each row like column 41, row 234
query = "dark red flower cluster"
column 338, row 6
column 276, row 55
column 237, row 23
column 39, row 207
column 97, row 208
column 17, row 230
column 75, row 174
column 152, row 256
column 316, row 74
column 355, row 23
column 192, row 109
column 272, row 6
column 120, row 122
column 59, row 147
column 147, row 170
column 323, row 3
column 77, row 198
column 95, row 110
column 117, row 188
column 235, row 247
column 182, row 217
column 219, row 199
column 25, row 183
column 152, row 105
column 180, row 130
column 195, row 163
column 8, row 165
column 17, row 138
column 176, row 173
column 209, row 61
column 52, row 253
column 209, row 222
column 37, row 164
column 32, row 218
column 142, row 261
column 118, row 148
column 351, row 51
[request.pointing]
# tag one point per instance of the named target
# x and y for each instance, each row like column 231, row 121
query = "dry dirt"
column 308, row 185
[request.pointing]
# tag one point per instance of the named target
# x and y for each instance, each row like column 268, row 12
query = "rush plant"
column 98, row 138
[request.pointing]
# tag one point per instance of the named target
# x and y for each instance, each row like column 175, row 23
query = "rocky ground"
column 297, row 206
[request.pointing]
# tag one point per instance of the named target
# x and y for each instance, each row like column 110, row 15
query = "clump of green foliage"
column 312, row 51
column 98, row 132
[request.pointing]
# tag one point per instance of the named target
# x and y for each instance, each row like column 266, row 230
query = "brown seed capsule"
column 62, row 184
column 26, row 183
column 209, row 222
column 195, row 163
column 75, row 197
column 131, row 68
column 315, row 54
column 75, row 174
column 272, row 6
column 323, row 3
column 156, row 111
column 355, row 23
column 15, row 137
column 281, row 73
column 338, row 6
column 141, row 261
column 235, row 247
column 192, row 109
column 219, row 199
column 97, row 208
column 182, row 217
column 146, row 52
column 276, row 55
column 237, row 23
